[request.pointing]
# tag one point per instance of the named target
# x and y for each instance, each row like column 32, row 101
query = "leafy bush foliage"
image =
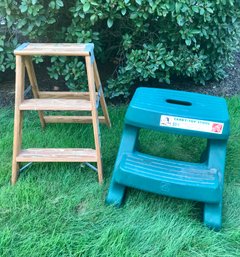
column 141, row 39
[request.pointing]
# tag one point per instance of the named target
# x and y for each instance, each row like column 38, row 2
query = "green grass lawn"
column 58, row 209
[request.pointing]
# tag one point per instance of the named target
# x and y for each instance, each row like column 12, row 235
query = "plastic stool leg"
column 213, row 215
column 205, row 153
column 128, row 144
column 115, row 194
column 216, row 159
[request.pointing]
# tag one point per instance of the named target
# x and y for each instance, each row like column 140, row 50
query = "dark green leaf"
column 86, row 7
column 180, row 20
column 109, row 22
column 23, row 8
column 59, row 3
column 188, row 42
column 178, row 6
column 123, row 11
column 195, row 8
column 169, row 63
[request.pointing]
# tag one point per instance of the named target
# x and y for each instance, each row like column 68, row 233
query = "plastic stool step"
column 150, row 104
column 169, row 177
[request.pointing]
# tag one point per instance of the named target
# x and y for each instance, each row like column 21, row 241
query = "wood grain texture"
column 33, row 81
column 72, row 119
column 54, row 49
column 57, row 155
column 56, row 105
column 18, row 116
column 96, row 131
column 102, row 98
column 65, row 95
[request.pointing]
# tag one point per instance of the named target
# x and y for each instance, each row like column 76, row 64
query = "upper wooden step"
column 64, row 94
column 56, row 105
column 57, row 155
column 51, row 49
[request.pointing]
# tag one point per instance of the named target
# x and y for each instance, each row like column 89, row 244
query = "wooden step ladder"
column 57, row 101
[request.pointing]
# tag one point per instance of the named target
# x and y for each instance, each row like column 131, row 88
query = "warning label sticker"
column 191, row 124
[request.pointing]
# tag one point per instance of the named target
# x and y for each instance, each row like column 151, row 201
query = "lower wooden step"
column 72, row 119
column 57, row 155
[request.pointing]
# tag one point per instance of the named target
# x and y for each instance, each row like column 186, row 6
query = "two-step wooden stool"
column 57, row 101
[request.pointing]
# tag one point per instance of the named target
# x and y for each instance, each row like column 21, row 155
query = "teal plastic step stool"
column 175, row 112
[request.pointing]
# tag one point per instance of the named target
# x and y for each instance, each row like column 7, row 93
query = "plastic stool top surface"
column 150, row 106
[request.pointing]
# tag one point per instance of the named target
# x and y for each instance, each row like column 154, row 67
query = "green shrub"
column 141, row 39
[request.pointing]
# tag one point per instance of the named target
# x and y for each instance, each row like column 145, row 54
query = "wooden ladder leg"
column 102, row 98
column 34, row 85
column 95, row 121
column 18, row 116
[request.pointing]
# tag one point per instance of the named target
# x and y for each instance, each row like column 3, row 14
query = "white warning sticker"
column 191, row 124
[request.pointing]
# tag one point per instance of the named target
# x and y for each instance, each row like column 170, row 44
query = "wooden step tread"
column 57, row 155
column 72, row 119
column 51, row 49
column 64, row 94
column 56, row 105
